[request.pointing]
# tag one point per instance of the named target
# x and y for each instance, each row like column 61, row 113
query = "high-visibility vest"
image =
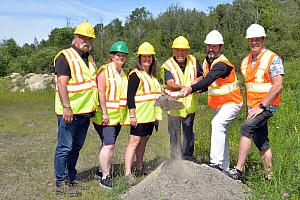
column 116, row 96
column 257, row 79
column 147, row 93
column 81, row 87
column 180, row 78
column 223, row 90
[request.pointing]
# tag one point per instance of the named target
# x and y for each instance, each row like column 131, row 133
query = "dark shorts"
column 257, row 129
column 108, row 134
column 144, row 129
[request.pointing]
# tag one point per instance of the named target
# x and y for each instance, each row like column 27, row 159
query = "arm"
column 101, row 83
column 220, row 70
column 62, row 82
column 133, row 82
column 273, row 93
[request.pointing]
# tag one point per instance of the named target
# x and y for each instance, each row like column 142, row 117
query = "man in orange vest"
column 224, row 97
column 75, row 102
column 263, row 72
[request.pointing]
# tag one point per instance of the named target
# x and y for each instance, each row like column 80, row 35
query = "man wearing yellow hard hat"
column 182, row 69
column 75, row 102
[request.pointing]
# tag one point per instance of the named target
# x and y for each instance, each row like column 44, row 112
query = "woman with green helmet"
column 112, row 112
column 141, row 96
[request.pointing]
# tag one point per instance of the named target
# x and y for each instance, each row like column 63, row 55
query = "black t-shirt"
column 62, row 66
column 169, row 76
column 133, row 84
column 219, row 70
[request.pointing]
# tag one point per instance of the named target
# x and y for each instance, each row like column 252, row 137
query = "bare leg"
column 140, row 152
column 266, row 156
column 134, row 141
column 106, row 156
column 244, row 147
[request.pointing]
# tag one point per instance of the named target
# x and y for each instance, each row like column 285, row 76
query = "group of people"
column 111, row 99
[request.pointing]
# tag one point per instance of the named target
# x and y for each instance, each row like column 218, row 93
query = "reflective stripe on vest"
column 257, row 79
column 186, row 79
column 222, row 90
column 81, row 87
column 147, row 93
column 116, row 96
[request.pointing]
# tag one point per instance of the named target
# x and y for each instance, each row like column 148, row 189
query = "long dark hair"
column 152, row 68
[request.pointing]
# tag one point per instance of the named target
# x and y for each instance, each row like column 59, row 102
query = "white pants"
column 219, row 146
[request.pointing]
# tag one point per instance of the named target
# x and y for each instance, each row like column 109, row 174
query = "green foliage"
column 281, row 20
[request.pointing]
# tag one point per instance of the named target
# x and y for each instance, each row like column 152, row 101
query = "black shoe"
column 98, row 175
column 72, row 191
column 106, row 182
column 236, row 174
column 214, row 166
column 190, row 158
column 60, row 189
column 79, row 184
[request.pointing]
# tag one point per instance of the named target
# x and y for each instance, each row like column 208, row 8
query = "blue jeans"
column 70, row 140
column 174, row 128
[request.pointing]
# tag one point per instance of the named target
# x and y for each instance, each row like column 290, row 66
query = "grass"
column 28, row 140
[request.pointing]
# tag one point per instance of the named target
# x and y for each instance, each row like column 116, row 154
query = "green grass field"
column 28, row 140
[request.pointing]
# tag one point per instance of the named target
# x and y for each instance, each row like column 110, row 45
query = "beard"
column 83, row 45
column 211, row 55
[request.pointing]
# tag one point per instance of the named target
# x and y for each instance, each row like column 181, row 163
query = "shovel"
column 165, row 102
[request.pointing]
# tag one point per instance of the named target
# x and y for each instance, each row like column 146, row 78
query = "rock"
column 15, row 75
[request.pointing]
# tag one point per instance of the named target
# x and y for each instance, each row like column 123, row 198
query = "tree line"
column 280, row 18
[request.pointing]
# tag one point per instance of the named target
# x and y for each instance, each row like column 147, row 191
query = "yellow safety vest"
column 258, row 81
column 116, row 97
column 223, row 90
column 81, row 87
column 147, row 93
column 180, row 78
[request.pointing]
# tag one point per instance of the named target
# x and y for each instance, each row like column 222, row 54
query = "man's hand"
column 105, row 119
column 68, row 115
column 256, row 110
column 185, row 91
column 197, row 80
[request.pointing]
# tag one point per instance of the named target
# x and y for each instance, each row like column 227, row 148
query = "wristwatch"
column 262, row 106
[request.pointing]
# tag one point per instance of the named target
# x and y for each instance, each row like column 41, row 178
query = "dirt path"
column 186, row 180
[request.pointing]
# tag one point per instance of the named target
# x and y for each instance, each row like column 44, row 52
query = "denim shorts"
column 257, row 129
column 108, row 134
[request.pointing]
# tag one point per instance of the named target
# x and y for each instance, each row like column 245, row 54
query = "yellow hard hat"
column 180, row 43
column 146, row 49
column 85, row 29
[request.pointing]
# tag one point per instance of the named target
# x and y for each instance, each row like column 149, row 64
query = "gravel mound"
column 186, row 180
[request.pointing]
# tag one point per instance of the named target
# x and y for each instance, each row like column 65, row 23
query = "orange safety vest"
column 116, row 97
column 223, row 90
column 81, row 87
column 147, row 93
column 257, row 79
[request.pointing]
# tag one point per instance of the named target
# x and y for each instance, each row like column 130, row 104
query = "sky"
column 24, row 20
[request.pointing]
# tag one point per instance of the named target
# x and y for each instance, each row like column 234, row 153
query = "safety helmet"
column 119, row 46
column 180, row 43
column 85, row 29
column 255, row 30
column 214, row 37
column 146, row 49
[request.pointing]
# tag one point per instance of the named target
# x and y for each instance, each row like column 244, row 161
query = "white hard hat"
column 214, row 37
column 255, row 30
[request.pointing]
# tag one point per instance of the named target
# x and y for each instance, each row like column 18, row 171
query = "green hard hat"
column 119, row 46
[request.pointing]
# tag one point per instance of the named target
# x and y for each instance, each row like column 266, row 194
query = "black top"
column 133, row 84
column 62, row 66
column 219, row 70
column 168, row 74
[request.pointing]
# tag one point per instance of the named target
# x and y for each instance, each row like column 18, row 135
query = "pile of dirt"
column 186, row 180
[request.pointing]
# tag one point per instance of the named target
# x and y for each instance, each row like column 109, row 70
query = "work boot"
column 60, row 189
column 72, row 190
column 131, row 179
column 79, row 184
